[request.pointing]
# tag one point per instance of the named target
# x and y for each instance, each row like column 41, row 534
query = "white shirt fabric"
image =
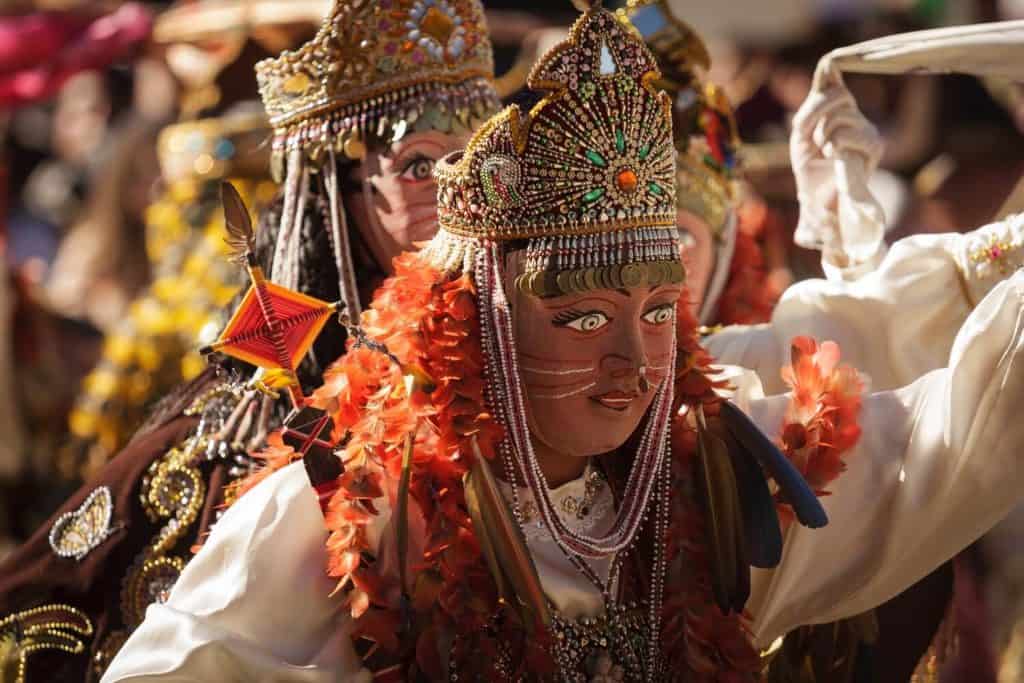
column 893, row 324
column 936, row 466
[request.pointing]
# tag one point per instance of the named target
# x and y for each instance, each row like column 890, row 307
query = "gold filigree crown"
column 377, row 60
column 706, row 135
column 593, row 156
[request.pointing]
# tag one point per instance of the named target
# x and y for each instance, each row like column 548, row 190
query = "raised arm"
column 936, row 466
column 894, row 324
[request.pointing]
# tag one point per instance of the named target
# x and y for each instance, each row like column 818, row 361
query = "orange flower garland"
column 821, row 423
column 430, row 324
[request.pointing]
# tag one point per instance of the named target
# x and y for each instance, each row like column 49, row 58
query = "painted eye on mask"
column 659, row 315
column 418, row 169
column 589, row 321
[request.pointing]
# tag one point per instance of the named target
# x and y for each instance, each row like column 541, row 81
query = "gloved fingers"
column 821, row 104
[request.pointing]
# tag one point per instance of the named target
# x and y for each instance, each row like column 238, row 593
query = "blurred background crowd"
column 118, row 120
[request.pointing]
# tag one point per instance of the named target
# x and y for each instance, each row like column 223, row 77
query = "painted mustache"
column 648, row 376
column 564, row 378
column 558, row 373
column 567, row 394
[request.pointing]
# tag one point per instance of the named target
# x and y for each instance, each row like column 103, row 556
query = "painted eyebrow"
column 406, row 147
column 558, row 307
column 629, row 294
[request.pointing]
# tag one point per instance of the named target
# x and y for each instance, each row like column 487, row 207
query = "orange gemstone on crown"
column 626, row 180
column 437, row 25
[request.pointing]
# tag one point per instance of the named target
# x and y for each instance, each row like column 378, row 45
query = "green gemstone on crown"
column 645, row 151
column 595, row 158
column 620, row 142
column 655, row 188
column 593, row 195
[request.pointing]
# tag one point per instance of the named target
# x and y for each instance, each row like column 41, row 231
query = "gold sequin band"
column 546, row 284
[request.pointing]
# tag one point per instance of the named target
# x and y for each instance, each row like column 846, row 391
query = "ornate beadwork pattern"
column 173, row 491
column 611, row 647
column 377, row 59
column 174, row 487
column 148, row 582
column 76, row 533
column 594, row 156
column 581, row 504
column 47, row 627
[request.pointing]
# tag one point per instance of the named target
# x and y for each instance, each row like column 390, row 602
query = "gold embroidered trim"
column 370, row 48
column 47, row 627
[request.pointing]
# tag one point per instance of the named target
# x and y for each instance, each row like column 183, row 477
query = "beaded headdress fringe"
column 456, row 108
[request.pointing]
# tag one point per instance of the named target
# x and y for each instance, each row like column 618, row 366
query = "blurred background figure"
column 80, row 55
column 109, row 232
column 177, row 238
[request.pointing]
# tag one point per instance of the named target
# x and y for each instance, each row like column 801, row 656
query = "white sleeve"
column 937, row 466
column 894, row 324
column 253, row 604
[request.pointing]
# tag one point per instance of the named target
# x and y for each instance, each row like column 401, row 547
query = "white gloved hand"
column 834, row 151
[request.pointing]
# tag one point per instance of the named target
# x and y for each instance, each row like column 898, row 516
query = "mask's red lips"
column 616, row 400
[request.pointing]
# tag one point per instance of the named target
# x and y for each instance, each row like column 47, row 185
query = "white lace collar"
column 582, row 503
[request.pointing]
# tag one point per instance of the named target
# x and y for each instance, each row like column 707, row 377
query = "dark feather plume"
column 792, row 485
column 503, row 545
column 730, row 572
column 760, row 518
column 241, row 236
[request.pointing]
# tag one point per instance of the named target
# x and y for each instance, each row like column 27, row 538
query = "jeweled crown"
column 594, row 156
column 375, row 58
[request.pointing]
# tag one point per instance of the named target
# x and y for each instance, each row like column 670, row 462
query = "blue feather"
column 792, row 485
column 760, row 518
